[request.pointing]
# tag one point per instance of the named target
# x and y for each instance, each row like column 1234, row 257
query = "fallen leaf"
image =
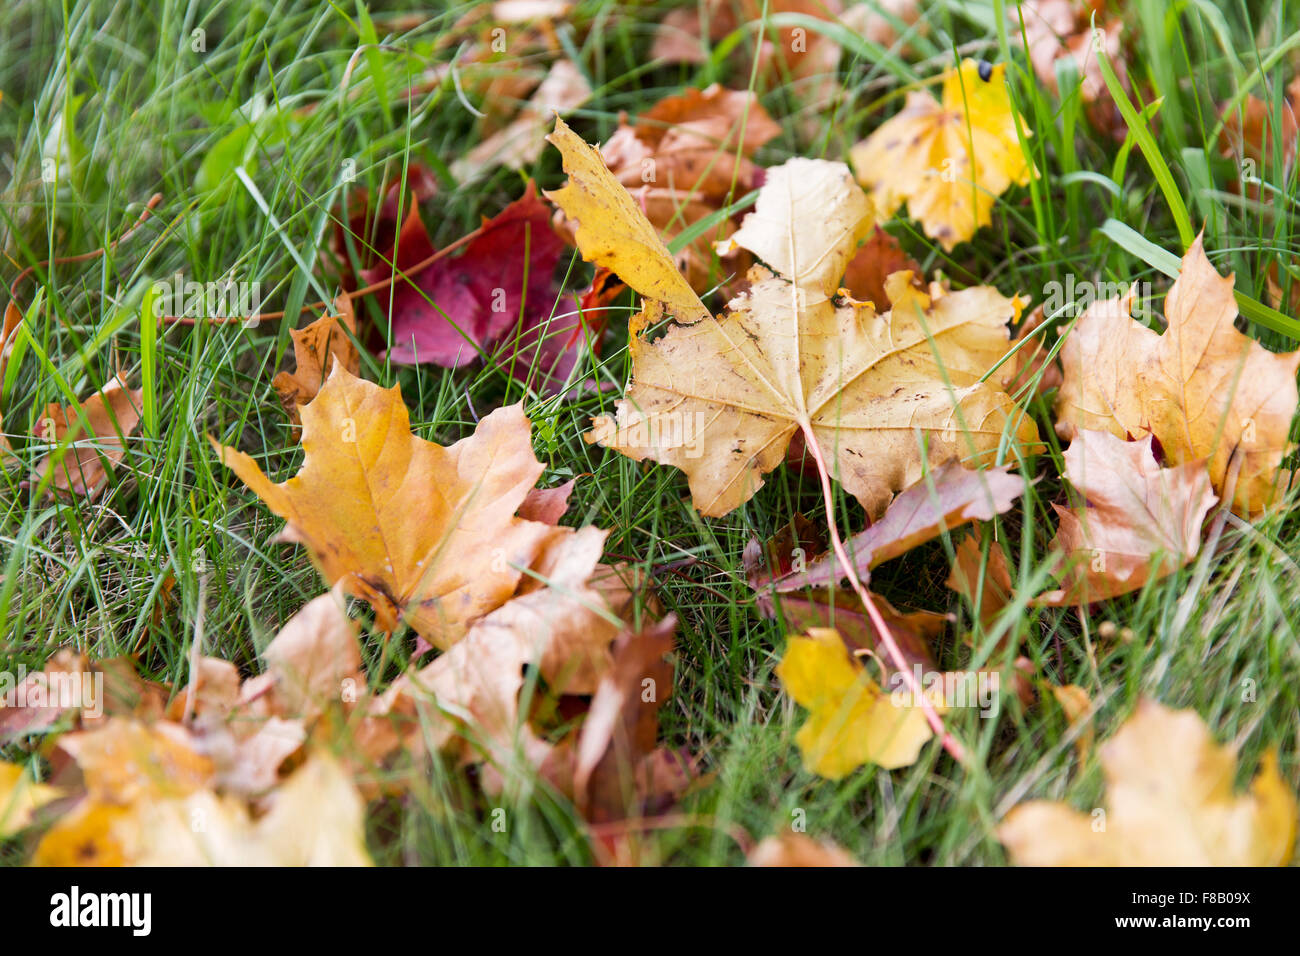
column 20, row 797
column 1077, row 705
column 798, row 849
column 1141, row 522
column 316, row 818
column 501, row 282
column 564, row 628
column 125, row 761
column 685, row 159
column 612, row 232
column 949, row 160
column 875, row 261
column 82, row 468
column 851, row 720
column 996, row 588
column 1203, row 389
column 614, row 758
column 424, row 534
column 1169, row 802
column 947, row 498
column 316, row 348
column 520, row 143
column 313, row 655
column 722, row 399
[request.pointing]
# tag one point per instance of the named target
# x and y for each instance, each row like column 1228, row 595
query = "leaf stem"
column 950, row 743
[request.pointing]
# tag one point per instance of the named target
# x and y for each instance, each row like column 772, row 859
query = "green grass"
column 149, row 115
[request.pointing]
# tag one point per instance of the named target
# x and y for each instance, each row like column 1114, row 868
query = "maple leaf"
column 564, row 627
column 316, row 348
column 851, row 720
column 111, row 415
column 313, row 656
column 994, row 587
column 1141, row 522
column 502, row 281
column 948, row 160
column 947, row 498
column 315, row 818
column 20, row 797
column 684, row 160
column 1169, row 802
column 370, row 237
column 612, row 232
column 615, row 761
column 1203, row 389
column 721, row 399
column 423, row 533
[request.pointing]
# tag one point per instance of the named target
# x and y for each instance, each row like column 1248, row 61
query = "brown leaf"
column 800, row 850
column 1141, row 522
column 722, row 398
column 965, row 577
column 1170, row 802
column 875, row 261
column 82, row 468
column 425, row 534
column 614, row 764
column 1205, row 390
column 316, row 348
column 948, row 498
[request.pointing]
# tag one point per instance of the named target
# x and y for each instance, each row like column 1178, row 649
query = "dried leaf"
column 82, row 468
column 1170, row 802
column 1203, row 389
column 316, row 348
column 1141, row 523
column 20, row 797
column 612, row 232
column 948, row 498
column 798, row 849
column 948, row 160
column 425, row 534
column 851, row 720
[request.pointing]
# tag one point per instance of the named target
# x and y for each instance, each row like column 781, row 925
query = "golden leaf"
column 948, row 160
column 851, row 720
column 424, row 533
column 1204, row 390
column 613, row 233
column 1170, row 802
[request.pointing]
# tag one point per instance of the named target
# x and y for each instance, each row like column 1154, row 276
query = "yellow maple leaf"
column 613, row 233
column 948, row 160
column 20, row 796
column 1203, row 389
column 422, row 532
column 1170, row 802
column 851, row 720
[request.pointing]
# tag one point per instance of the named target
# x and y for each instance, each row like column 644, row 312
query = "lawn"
column 256, row 123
